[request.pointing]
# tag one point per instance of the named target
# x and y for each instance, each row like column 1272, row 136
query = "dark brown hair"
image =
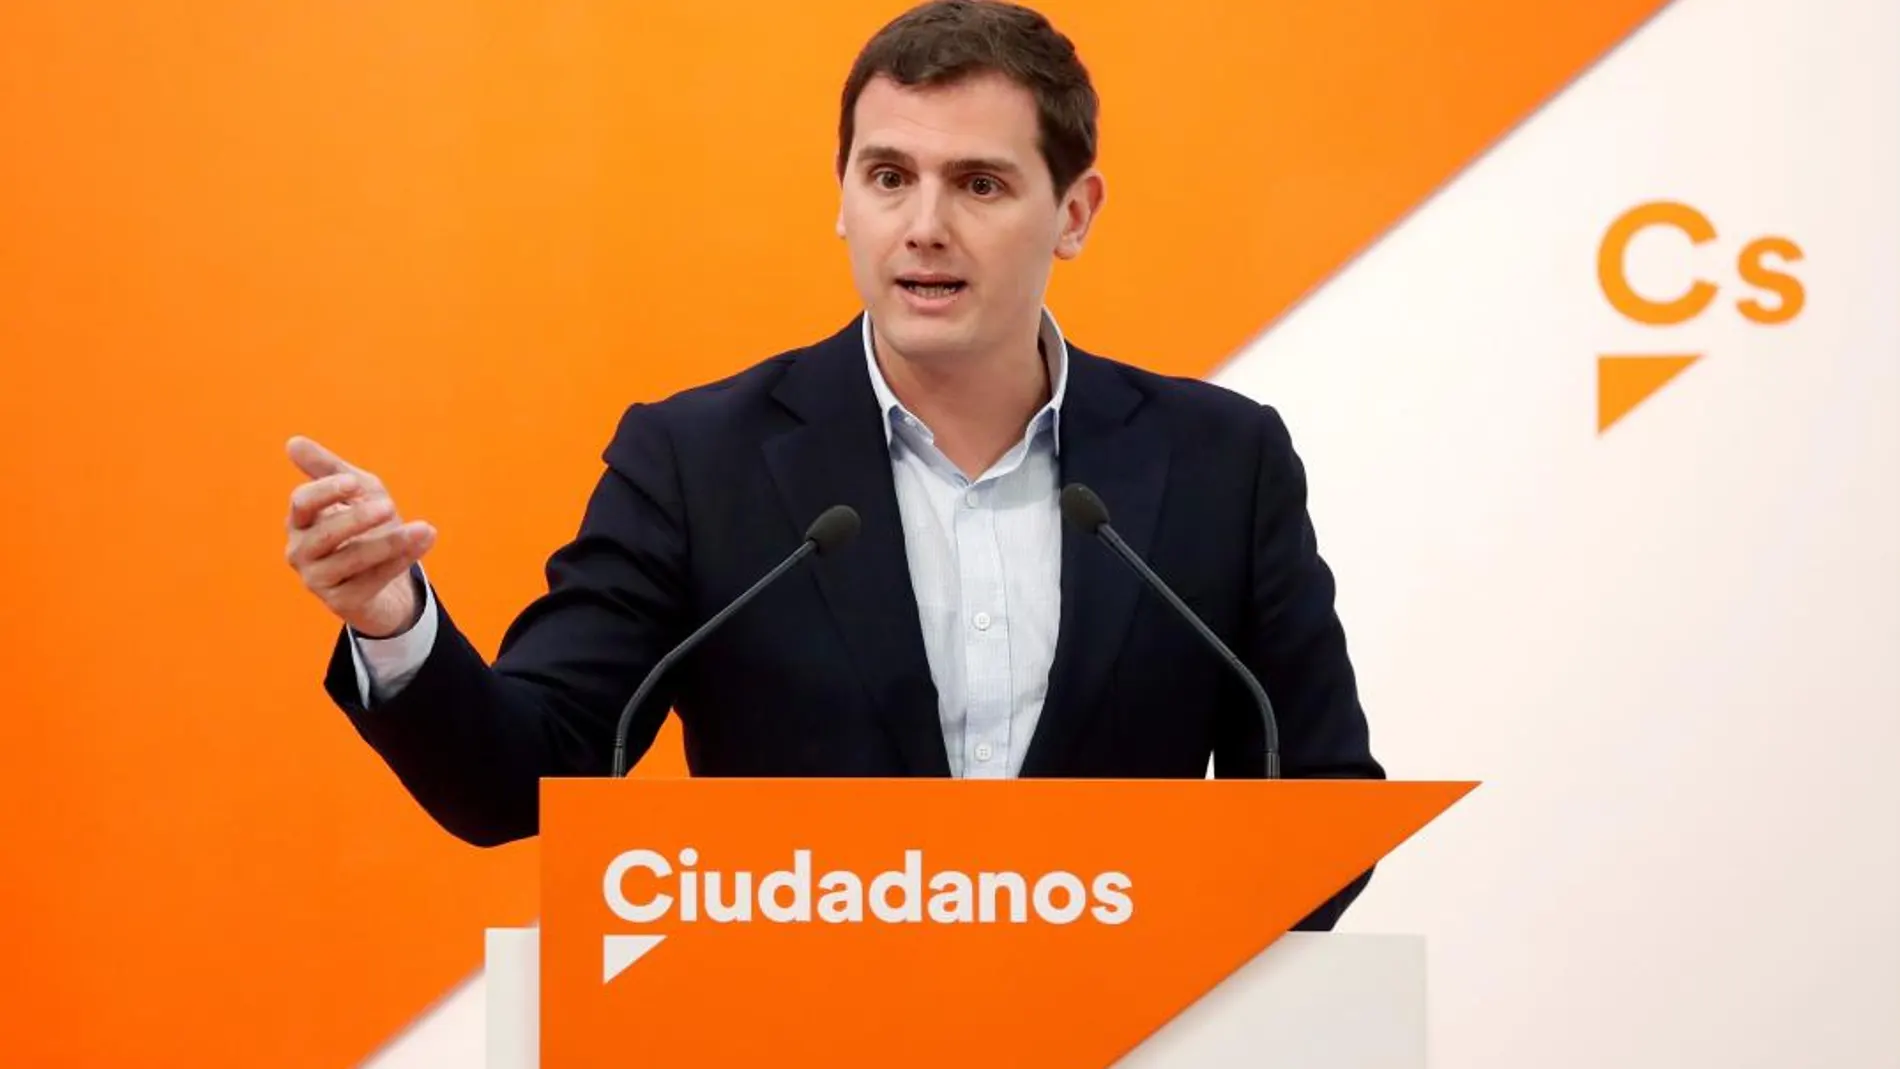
column 944, row 41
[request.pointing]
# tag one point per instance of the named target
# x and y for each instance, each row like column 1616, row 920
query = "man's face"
column 951, row 217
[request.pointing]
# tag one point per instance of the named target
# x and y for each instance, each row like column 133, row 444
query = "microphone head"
column 1081, row 507
column 833, row 529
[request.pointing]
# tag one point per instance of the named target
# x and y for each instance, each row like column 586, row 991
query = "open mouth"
column 933, row 289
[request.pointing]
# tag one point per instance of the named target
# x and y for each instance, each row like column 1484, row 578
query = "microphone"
column 1081, row 507
column 831, row 531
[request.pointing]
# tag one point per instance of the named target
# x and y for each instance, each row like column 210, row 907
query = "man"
column 966, row 632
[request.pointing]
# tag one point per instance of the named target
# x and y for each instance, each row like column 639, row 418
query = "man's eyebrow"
column 870, row 154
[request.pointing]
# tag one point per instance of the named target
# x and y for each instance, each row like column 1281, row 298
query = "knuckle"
column 338, row 526
column 378, row 549
column 308, row 500
column 322, row 534
column 319, row 574
column 358, row 557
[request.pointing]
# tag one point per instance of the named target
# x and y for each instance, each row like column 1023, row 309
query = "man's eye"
column 888, row 179
column 982, row 186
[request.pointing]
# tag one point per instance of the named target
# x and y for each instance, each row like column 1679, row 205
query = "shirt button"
column 983, row 751
column 982, row 621
column 970, row 499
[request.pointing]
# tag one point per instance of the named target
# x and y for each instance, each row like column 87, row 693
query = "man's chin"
column 924, row 339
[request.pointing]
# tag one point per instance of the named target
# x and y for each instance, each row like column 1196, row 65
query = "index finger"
column 314, row 460
column 308, row 501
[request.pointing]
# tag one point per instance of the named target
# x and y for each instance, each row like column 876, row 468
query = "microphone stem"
column 1114, row 541
column 666, row 662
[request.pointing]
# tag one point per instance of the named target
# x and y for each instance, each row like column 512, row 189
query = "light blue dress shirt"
column 985, row 563
column 986, row 566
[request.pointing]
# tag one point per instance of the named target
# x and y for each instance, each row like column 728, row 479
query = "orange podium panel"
column 853, row 922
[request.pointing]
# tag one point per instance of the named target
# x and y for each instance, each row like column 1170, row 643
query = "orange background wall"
column 453, row 241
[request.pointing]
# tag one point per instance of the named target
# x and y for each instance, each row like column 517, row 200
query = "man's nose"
column 927, row 225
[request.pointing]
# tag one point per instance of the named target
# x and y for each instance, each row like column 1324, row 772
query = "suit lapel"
column 838, row 455
column 1124, row 459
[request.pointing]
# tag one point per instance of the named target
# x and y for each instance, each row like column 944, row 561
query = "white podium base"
column 1310, row 1001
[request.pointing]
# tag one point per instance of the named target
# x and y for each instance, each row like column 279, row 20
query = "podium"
column 1050, row 923
column 1310, row 1001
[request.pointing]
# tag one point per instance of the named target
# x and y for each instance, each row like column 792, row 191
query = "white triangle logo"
column 619, row 951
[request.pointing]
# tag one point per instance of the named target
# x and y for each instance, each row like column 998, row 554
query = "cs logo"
column 1773, row 297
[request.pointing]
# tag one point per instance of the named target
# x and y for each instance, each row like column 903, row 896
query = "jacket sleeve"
column 471, row 741
column 1295, row 643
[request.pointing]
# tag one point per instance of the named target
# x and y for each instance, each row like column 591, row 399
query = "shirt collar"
column 1055, row 350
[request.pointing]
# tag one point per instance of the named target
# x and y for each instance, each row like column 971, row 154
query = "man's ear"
column 1079, row 208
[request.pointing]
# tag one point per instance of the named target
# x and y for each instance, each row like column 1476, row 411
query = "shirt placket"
column 985, row 636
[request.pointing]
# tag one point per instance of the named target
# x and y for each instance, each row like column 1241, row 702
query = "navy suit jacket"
column 825, row 673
